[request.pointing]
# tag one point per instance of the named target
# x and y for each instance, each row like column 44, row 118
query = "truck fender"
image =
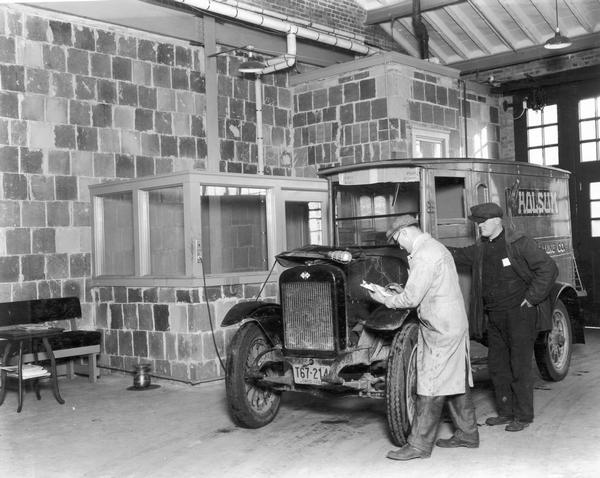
column 267, row 315
column 567, row 293
column 560, row 289
column 384, row 318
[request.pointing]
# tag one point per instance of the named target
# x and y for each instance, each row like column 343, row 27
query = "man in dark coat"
column 512, row 280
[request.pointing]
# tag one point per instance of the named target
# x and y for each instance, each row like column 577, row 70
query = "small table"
column 18, row 336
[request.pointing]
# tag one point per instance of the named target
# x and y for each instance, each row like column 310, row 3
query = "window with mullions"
column 234, row 222
column 364, row 212
column 595, row 208
column 589, row 129
column 542, row 136
column 184, row 228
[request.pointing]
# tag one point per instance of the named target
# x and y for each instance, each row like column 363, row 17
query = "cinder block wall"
column 81, row 103
column 368, row 113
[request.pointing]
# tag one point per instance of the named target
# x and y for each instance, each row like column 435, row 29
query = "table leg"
column 36, row 382
column 3, row 377
column 20, row 373
column 53, row 370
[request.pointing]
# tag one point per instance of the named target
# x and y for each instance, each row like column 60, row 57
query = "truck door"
column 447, row 208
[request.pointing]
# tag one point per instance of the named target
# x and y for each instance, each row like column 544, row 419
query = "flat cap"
column 401, row 222
column 485, row 211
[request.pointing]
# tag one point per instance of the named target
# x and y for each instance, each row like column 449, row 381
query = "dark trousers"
column 511, row 337
column 427, row 418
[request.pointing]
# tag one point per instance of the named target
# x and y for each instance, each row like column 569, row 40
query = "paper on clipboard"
column 375, row 287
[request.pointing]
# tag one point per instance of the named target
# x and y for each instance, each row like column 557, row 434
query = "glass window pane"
column 549, row 114
column 535, row 156
column 551, row 135
column 595, row 191
column 303, row 224
column 589, row 151
column 449, row 198
column 118, row 234
column 551, row 156
column 234, row 230
column 165, row 222
column 587, row 108
column 534, row 118
column 595, row 228
column 381, row 206
column 365, row 206
column 595, row 209
column 587, row 130
column 534, row 137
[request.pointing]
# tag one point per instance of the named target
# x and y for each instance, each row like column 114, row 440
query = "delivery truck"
column 325, row 335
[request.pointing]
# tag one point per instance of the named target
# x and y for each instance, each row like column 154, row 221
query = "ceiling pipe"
column 276, row 24
column 269, row 66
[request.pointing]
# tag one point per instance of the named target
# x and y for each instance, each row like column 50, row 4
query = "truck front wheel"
column 250, row 405
column 553, row 348
column 401, row 383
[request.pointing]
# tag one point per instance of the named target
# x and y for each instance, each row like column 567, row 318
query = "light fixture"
column 252, row 65
column 558, row 41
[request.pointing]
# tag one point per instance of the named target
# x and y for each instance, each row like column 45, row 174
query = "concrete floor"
column 176, row 430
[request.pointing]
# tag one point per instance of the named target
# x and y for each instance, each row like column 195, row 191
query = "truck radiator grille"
column 308, row 316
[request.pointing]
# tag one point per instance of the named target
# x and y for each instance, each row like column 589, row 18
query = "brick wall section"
column 342, row 15
column 369, row 114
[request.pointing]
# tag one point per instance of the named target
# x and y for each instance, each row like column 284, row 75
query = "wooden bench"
column 67, row 345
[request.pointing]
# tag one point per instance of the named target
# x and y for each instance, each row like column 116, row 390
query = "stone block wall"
column 368, row 113
column 170, row 328
column 82, row 103
column 237, row 120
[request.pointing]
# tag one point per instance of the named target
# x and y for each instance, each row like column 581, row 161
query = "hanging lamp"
column 558, row 41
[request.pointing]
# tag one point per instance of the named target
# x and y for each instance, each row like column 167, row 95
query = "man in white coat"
column 443, row 367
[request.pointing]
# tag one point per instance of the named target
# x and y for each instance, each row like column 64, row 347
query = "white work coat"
column 443, row 345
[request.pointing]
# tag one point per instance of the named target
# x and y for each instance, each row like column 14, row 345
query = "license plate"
column 309, row 373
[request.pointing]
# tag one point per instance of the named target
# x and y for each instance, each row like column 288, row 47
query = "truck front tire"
column 401, row 383
column 553, row 348
column 250, row 405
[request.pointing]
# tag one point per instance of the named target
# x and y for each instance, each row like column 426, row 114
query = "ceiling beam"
column 502, row 35
column 553, row 79
column 525, row 55
column 446, row 34
column 518, row 15
column 400, row 38
column 471, row 30
column 404, row 9
column 579, row 16
column 435, row 49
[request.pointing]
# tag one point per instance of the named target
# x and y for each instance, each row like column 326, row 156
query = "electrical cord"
column 212, row 329
column 265, row 282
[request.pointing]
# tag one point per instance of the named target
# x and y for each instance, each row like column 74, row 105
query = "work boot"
column 500, row 420
column 455, row 442
column 516, row 425
column 407, row 452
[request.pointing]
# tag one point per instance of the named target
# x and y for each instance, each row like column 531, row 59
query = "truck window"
column 363, row 213
column 450, row 199
column 483, row 194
